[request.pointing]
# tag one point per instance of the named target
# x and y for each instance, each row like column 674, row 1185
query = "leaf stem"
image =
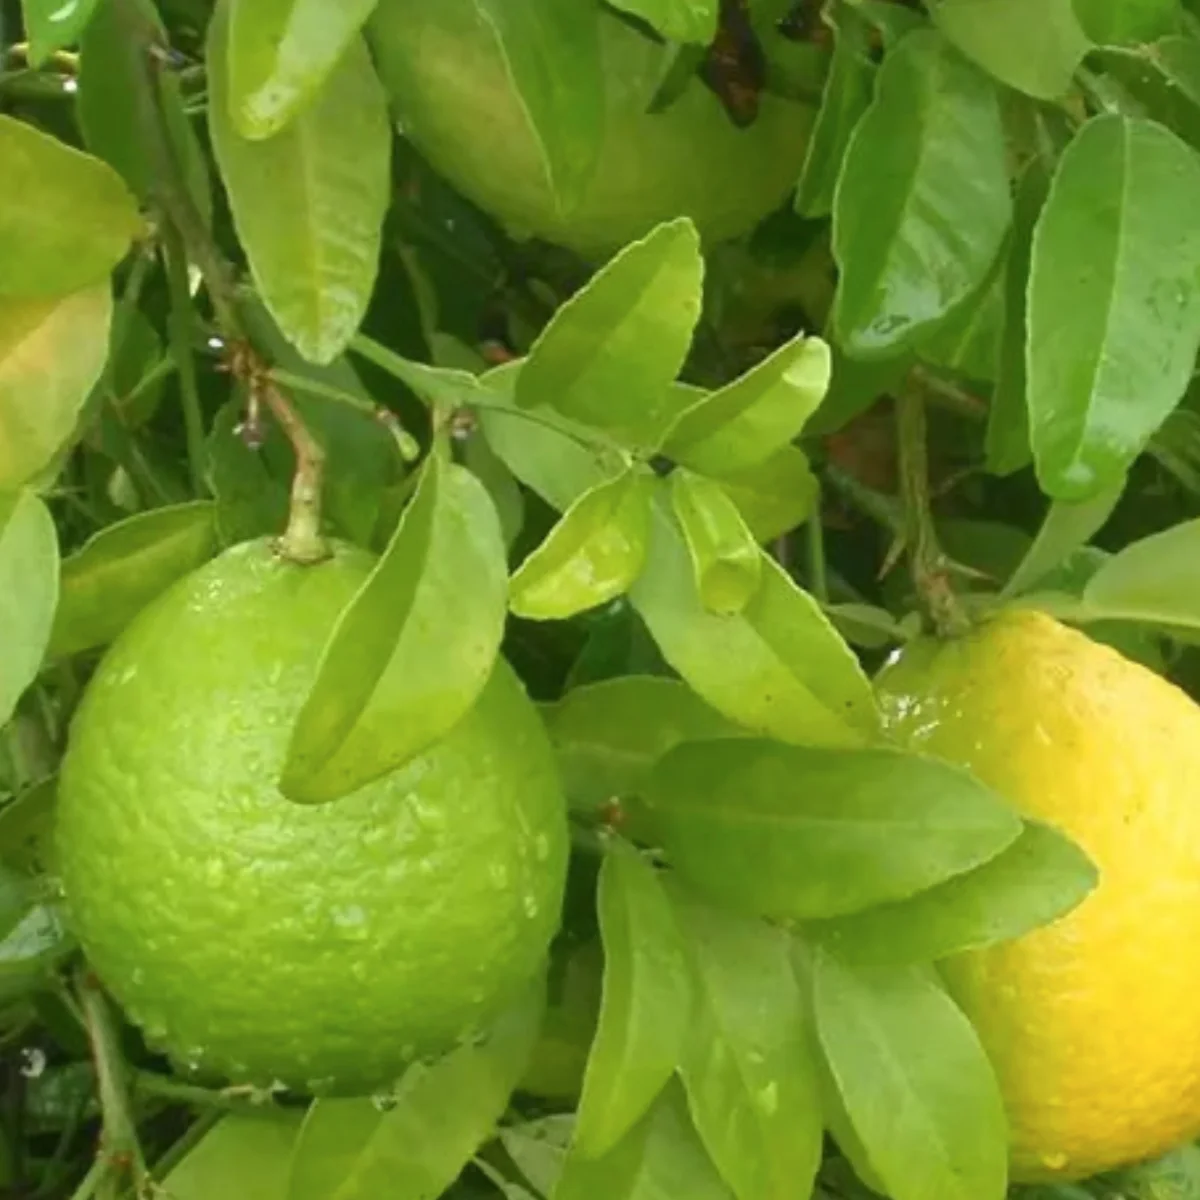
column 179, row 330
column 119, row 1153
column 929, row 565
column 164, row 1087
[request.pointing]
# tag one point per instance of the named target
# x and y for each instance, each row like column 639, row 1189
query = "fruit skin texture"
column 454, row 100
column 1093, row 1022
column 320, row 946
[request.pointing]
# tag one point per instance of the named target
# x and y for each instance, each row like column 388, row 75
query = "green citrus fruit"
column 321, row 946
column 454, row 99
column 1092, row 1022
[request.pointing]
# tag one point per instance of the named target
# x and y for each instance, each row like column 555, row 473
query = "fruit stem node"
column 928, row 563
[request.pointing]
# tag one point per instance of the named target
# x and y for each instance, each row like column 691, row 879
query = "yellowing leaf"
column 51, row 354
column 66, row 218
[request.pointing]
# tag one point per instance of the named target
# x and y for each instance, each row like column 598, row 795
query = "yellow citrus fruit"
column 1093, row 1022
column 454, row 98
column 323, row 946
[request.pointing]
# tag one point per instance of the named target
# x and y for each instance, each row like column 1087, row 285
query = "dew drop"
column 33, row 1061
column 498, row 873
column 530, row 905
column 384, row 1101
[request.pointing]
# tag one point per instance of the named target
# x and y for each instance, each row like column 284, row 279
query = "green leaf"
column 314, row 258
column 27, row 829
column 108, row 106
column 563, row 94
column 645, row 998
column 490, row 469
column 778, row 667
column 661, row 1157
column 50, row 243
column 608, row 735
column 846, row 96
column 413, row 1143
column 33, row 934
column 123, row 567
column 916, row 1084
column 51, row 354
column 52, row 25
column 1067, row 527
column 775, row 495
column 748, row 1067
column 968, row 341
column 415, row 647
column 755, row 416
column 250, row 485
column 281, row 52
column 609, row 356
column 1156, row 580
column 243, row 1154
column 1007, row 439
column 1114, row 302
column 798, row 833
column 1042, row 876
column 677, row 20
column 1034, row 46
column 856, row 384
column 1120, row 22
column 543, row 453
column 591, row 556
column 1162, row 77
column 923, row 201
column 28, row 592
column 539, row 1148
column 726, row 560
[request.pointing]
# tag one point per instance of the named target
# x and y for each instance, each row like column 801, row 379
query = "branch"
column 930, row 567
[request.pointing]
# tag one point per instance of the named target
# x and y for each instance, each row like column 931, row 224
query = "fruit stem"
column 302, row 541
column 119, row 1151
column 928, row 563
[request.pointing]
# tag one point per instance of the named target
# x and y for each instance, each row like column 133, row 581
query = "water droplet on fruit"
column 1054, row 1161
column 541, row 847
column 498, row 873
column 214, row 872
column 384, row 1101
column 530, row 905
column 33, row 1061
column 351, row 921
column 138, row 976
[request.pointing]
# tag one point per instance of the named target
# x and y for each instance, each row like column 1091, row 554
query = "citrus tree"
column 598, row 600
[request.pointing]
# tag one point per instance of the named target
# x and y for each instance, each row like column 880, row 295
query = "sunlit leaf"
column 53, row 25
column 414, row 649
column 51, row 354
column 923, row 201
column 777, row 667
column 1115, row 22
column 28, row 592
column 413, row 1143
column 918, row 1089
column 725, row 557
column 123, row 567
column 280, row 54
column 609, row 356
column 1114, row 301
column 244, row 1153
column 755, row 416
column 591, row 556
column 662, row 1156
column 678, row 20
column 791, row 832
column 314, row 258
column 748, row 1067
column 1039, row 878
column 775, row 495
column 640, row 1035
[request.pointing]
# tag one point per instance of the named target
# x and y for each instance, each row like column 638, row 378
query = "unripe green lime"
column 323, row 946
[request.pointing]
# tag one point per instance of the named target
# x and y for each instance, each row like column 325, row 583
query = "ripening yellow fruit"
column 1093, row 1022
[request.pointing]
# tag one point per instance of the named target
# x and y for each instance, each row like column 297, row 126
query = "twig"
column 120, row 1153
column 165, row 1088
column 930, row 567
column 97, row 1173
